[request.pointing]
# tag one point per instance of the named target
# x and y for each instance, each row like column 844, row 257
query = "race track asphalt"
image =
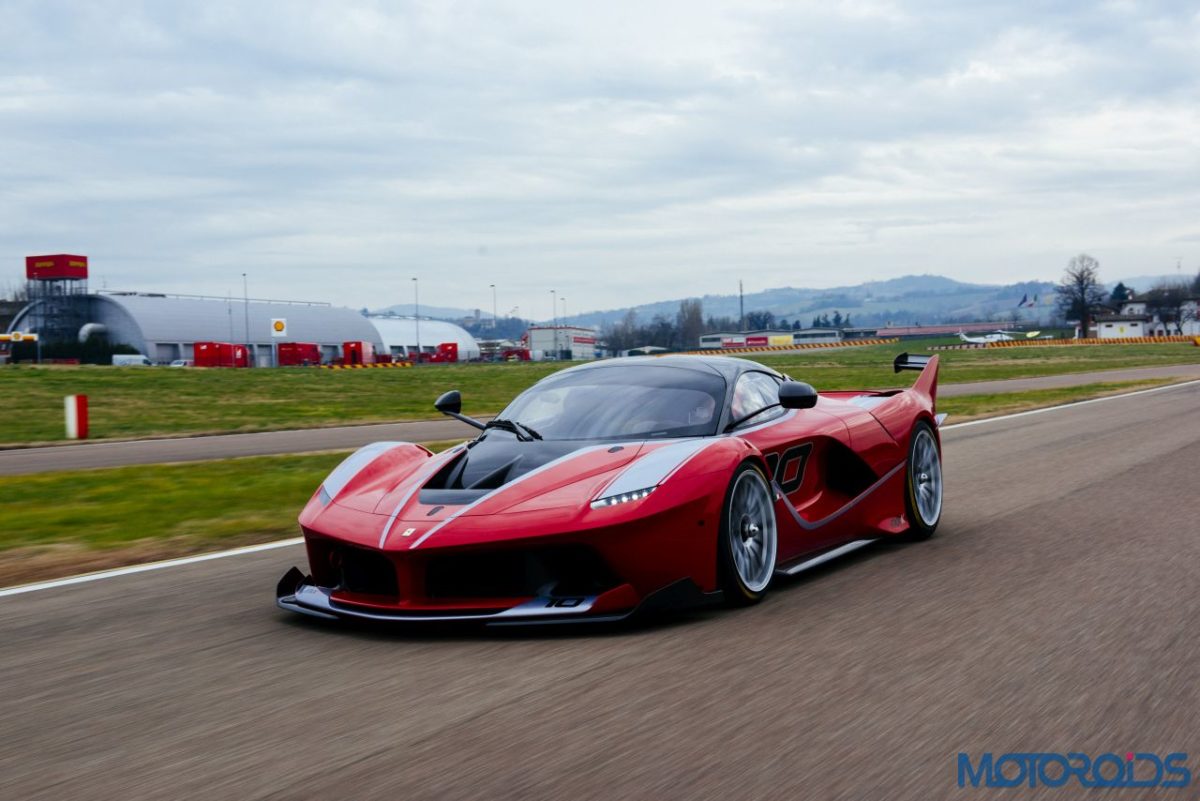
column 87, row 455
column 1056, row 610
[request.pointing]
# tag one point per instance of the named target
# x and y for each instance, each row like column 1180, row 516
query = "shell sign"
column 278, row 327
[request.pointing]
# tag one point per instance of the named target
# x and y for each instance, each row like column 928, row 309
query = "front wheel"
column 749, row 536
column 923, row 498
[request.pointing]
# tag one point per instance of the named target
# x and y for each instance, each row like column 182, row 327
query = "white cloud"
column 619, row 153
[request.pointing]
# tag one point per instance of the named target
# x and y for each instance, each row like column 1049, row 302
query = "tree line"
column 689, row 324
column 1081, row 296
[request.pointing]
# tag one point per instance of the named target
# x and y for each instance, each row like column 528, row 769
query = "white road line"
column 1015, row 415
column 267, row 546
column 125, row 571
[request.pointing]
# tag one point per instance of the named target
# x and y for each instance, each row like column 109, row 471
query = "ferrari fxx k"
column 622, row 486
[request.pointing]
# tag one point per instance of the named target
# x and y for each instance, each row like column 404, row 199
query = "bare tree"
column 1167, row 299
column 760, row 320
column 623, row 335
column 690, row 323
column 1080, row 292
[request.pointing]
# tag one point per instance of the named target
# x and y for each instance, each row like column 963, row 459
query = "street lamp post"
column 566, row 336
column 493, row 307
column 417, row 315
column 554, row 318
column 246, row 306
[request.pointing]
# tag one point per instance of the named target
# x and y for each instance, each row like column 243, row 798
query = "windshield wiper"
column 746, row 417
column 522, row 431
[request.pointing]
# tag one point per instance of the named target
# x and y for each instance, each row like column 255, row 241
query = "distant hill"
column 908, row 300
column 440, row 312
column 912, row 299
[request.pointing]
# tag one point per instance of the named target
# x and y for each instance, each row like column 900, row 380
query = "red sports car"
column 622, row 486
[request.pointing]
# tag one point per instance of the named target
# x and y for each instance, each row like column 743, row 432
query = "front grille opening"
column 361, row 571
column 562, row 571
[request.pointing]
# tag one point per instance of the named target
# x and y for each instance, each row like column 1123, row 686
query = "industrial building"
column 400, row 336
column 166, row 327
column 566, row 342
column 755, row 339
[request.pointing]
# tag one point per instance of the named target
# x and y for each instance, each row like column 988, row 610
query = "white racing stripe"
column 187, row 560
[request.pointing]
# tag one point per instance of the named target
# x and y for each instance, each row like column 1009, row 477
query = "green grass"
column 131, row 514
column 136, row 402
column 203, row 503
column 969, row 407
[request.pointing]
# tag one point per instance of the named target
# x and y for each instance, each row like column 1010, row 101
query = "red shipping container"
column 358, row 353
column 447, row 353
column 298, row 354
column 219, row 354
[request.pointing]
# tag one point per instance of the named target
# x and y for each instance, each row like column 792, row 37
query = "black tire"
column 746, row 566
column 923, row 486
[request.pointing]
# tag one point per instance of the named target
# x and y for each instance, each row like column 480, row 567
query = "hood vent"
column 486, row 466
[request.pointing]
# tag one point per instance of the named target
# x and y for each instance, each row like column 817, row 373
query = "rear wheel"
column 749, row 537
column 923, row 495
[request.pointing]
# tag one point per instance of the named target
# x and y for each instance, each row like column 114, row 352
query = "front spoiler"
column 296, row 592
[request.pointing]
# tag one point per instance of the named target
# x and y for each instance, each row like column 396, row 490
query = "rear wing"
column 911, row 361
column 926, row 383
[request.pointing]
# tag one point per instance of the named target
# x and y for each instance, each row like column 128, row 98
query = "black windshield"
column 622, row 402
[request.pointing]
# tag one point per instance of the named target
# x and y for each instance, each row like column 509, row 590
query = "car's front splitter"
column 297, row 593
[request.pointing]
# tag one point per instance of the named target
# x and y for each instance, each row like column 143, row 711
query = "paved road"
column 1055, row 610
column 224, row 446
column 187, row 449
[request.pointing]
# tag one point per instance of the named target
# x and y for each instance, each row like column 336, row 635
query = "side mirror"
column 449, row 403
column 797, row 395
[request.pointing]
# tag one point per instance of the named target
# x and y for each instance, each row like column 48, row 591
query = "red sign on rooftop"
column 49, row 268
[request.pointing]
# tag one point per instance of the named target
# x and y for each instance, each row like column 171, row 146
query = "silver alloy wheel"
column 752, row 533
column 927, row 477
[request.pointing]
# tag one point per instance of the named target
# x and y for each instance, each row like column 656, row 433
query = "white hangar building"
column 400, row 336
column 166, row 327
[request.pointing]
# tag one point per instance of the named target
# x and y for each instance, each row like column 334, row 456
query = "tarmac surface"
column 87, row 455
column 1055, row 610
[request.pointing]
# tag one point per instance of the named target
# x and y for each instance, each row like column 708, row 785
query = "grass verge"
column 64, row 523
column 140, row 402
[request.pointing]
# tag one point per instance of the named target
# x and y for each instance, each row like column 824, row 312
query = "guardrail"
column 1031, row 343
column 845, row 343
column 1016, row 343
column 362, row 366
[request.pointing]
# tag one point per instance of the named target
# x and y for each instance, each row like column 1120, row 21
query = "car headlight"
column 624, row 497
column 350, row 467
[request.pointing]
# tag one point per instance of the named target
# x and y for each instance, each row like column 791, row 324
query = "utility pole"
column 494, row 315
column 246, row 306
column 417, row 315
column 741, row 308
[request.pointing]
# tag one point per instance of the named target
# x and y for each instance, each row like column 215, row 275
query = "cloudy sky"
column 618, row 152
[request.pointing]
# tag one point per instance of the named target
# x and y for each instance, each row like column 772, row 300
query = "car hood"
column 498, row 478
column 488, row 476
